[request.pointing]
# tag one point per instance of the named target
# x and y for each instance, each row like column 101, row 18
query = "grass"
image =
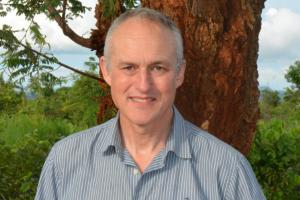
column 13, row 129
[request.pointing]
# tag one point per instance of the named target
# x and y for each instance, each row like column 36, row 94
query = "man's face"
column 142, row 71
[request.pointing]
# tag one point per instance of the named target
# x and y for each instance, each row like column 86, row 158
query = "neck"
column 145, row 142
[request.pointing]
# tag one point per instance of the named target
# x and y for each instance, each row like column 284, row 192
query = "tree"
column 293, row 75
column 292, row 94
column 220, row 93
column 10, row 98
column 270, row 97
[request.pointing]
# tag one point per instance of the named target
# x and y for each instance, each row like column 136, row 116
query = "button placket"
column 135, row 171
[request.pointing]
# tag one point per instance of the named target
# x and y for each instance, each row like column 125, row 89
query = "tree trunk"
column 220, row 92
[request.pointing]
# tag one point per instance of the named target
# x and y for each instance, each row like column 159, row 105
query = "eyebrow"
column 150, row 64
column 158, row 62
column 126, row 63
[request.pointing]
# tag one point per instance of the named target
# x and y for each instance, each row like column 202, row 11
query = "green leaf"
column 36, row 35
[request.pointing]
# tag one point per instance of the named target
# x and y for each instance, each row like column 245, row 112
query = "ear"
column 104, row 70
column 180, row 74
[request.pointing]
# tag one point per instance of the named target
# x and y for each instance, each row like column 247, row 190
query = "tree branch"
column 66, row 29
column 64, row 14
column 100, row 79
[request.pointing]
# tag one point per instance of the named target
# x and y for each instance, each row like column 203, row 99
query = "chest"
column 112, row 178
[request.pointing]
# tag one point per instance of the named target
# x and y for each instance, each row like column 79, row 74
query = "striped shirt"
column 93, row 165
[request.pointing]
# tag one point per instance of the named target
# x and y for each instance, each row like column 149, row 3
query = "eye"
column 128, row 67
column 158, row 68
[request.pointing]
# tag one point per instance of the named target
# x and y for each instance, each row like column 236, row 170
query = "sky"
column 279, row 40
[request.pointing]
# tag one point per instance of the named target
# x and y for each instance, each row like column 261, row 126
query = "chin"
column 145, row 116
column 141, row 121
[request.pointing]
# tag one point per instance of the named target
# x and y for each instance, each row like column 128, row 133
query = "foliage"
column 26, row 52
column 81, row 101
column 292, row 95
column 21, row 165
column 18, row 46
column 15, row 128
column 18, row 56
column 27, row 134
column 270, row 97
column 131, row 3
column 10, row 99
column 275, row 155
column 293, row 75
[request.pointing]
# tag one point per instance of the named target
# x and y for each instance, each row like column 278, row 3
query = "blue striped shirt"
column 92, row 165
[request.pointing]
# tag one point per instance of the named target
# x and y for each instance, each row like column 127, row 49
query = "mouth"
column 142, row 99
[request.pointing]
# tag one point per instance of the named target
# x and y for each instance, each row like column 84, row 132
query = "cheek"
column 118, row 93
column 119, row 84
column 167, row 86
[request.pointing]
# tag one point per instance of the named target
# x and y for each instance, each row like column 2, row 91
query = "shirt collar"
column 112, row 138
column 178, row 141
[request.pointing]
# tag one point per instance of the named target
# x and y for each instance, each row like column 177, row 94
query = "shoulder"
column 80, row 145
column 204, row 145
column 70, row 156
column 222, row 163
column 88, row 136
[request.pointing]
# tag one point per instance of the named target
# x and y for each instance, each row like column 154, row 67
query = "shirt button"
column 135, row 171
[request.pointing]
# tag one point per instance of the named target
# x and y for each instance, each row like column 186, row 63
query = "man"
column 148, row 151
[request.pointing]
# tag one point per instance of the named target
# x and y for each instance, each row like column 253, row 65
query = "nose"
column 144, row 80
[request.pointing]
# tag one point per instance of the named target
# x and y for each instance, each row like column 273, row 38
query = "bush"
column 275, row 158
column 21, row 164
column 30, row 126
column 9, row 97
column 14, row 128
column 25, row 141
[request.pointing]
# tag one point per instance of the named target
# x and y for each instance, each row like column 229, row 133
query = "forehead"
column 136, row 25
column 142, row 34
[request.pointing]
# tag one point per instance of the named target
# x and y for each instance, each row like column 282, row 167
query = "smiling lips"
column 142, row 99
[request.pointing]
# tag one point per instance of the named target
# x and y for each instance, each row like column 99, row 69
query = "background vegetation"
column 33, row 118
column 275, row 154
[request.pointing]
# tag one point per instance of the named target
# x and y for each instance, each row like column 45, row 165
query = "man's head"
column 151, row 16
column 143, row 64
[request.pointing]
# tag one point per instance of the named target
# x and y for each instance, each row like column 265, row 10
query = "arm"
column 243, row 183
column 49, row 180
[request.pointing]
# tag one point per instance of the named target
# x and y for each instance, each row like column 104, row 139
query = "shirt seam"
column 94, row 130
column 230, row 181
column 58, row 173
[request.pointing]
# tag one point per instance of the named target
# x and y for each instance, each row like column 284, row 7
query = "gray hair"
column 153, row 16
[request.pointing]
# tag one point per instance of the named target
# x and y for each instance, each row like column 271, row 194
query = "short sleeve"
column 49, row 179
column 243, row 183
